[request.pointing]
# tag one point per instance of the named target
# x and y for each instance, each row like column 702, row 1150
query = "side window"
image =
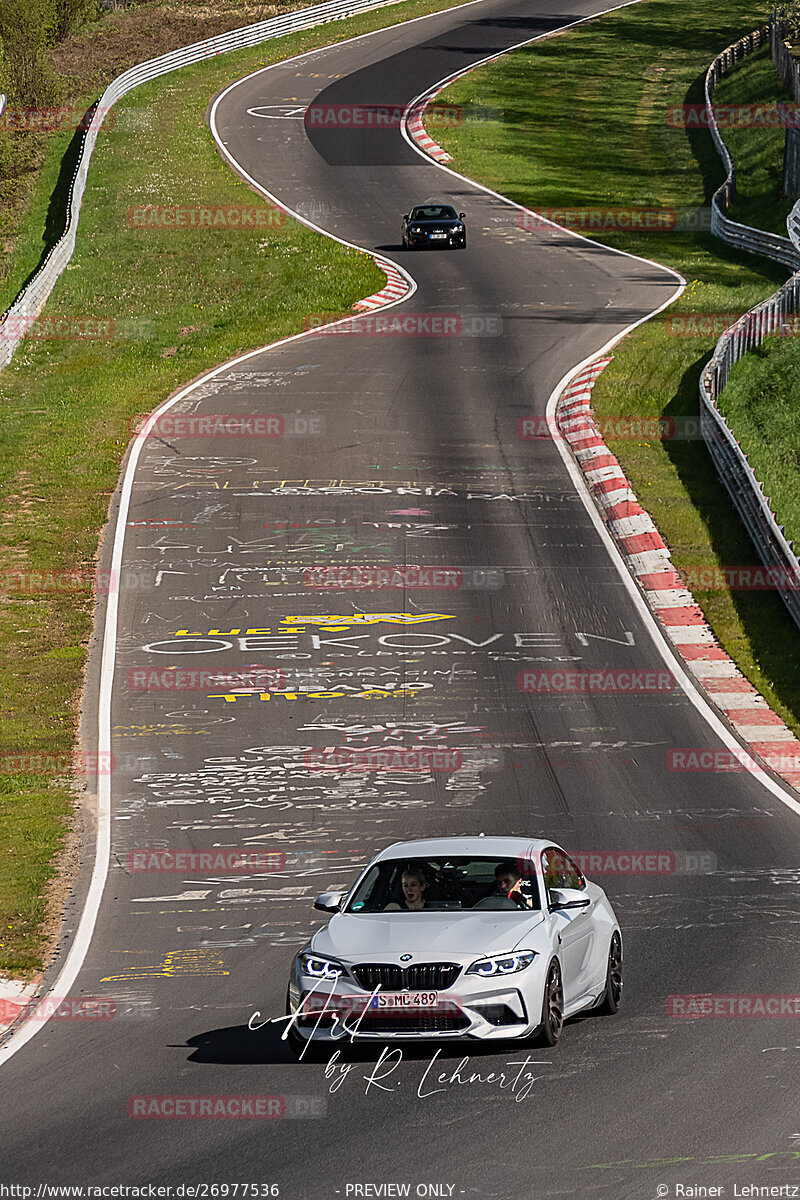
column 560, row 871
column 365, row 897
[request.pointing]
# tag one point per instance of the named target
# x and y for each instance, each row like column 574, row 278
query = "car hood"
column 441, row 223
column 427, row 935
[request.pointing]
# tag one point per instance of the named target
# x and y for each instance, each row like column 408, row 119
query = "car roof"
column 483, row 847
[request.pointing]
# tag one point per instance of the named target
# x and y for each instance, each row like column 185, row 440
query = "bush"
column 27, row 31
column 71, row 14
column 790, row 13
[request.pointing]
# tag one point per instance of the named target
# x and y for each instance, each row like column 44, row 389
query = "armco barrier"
column 731, row 462
column 785, row 63
column 766, row 318
column 31, row 299
column 793, row 225
column 743, row 236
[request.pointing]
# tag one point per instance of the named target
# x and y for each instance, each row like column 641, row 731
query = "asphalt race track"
column 415, row 460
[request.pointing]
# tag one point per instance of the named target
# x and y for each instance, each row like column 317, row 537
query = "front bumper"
column 418, row 240
column 473, row 1007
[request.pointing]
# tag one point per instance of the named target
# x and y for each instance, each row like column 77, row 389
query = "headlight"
column 502, row 964
column 319, row 967
column 458, row 228
column 416, row 229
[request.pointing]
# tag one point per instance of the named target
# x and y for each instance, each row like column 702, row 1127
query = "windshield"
column 434, row 212
column 450, row 884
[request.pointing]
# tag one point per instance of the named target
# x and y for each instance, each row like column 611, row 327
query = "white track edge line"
column 91, row 908
column 689, row 685
column 435, row 88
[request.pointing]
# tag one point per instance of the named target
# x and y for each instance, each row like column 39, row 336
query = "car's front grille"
column 421, row 977
column 406, row 1024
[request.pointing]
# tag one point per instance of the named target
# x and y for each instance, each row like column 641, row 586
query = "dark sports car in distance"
column 433, row 225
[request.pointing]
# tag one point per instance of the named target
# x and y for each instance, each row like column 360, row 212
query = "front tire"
column 303, row 1049
column 552, row 1008
column 612, row 996
column 293, row 1039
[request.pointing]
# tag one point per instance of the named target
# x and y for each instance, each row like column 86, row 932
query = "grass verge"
column 75, row 71
column 600, row 139
column 66, row 408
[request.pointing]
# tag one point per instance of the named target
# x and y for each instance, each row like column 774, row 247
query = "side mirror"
column 568, row 898
column 330, row 901
column 461, row 216
column 405, row 216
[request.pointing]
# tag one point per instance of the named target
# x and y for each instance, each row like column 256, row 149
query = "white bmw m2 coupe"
column 468, row 937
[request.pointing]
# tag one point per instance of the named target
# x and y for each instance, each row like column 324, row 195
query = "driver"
column 507, row 882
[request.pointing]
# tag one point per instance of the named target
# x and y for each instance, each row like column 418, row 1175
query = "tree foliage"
column 789, row 12
column 28, row 31
column 71, row 14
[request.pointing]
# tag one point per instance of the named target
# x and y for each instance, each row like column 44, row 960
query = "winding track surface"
column 425, row 424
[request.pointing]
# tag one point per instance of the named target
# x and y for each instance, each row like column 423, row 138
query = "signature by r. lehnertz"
column 517, row 1079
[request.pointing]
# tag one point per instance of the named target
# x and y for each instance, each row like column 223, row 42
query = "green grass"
column 600, row 138
column 34, row 818
column 762, row 402
column 757, row 151
column 182, row 301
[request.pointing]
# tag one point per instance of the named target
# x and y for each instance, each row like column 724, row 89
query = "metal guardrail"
column 29, row 303
column 769, row 317
column 731, row 463
column 756, row 241
column 733, row 467
column 785, row 63
column 793, row 225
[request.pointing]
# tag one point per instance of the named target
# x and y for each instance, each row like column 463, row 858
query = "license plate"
column 438, row 235
column 405, row 1000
